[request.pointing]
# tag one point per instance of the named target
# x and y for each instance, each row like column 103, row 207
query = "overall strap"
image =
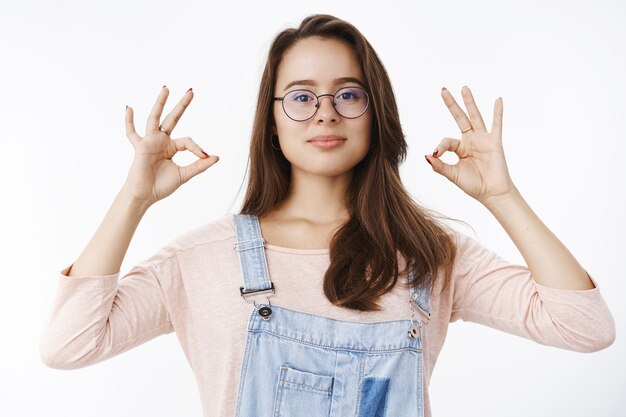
column 419, row 299
column 251, row 251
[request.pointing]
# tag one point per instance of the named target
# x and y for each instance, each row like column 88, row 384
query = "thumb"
column 441, row 167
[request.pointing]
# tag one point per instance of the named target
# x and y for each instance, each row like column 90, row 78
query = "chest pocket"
column 300, row 393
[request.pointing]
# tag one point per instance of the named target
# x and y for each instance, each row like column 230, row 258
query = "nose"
column 326, row 111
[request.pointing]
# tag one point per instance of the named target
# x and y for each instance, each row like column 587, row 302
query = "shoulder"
column 469, row 250
column 474, row 259
column 218, row 233
column 460, row 240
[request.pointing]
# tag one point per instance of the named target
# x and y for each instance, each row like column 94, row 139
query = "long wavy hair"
column 384, row 221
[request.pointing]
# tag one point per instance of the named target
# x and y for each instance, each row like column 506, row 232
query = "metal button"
column 265, row 312
column 414, row 332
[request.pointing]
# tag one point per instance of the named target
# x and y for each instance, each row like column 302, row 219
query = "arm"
column 105, row 252
column 493, row 292
column 152, row 177
column 549, row 261
column 93, row 316
column 482, row 173
column 553, row 301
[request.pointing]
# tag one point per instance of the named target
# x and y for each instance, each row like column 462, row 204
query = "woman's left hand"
column 481, row 171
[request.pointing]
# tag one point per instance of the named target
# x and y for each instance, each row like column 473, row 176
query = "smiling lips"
column 327, row 142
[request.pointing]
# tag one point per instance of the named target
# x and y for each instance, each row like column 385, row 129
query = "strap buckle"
column 416, row 308
column 247, row 295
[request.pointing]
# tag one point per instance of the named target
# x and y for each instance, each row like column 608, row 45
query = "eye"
column 301, row 97
column 349, row 95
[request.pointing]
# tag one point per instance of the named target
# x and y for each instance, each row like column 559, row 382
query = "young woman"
column 330, row 292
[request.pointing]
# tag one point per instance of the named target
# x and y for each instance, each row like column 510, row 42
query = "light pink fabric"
column 191, row 286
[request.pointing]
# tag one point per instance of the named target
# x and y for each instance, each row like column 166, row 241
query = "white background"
column 69, row 68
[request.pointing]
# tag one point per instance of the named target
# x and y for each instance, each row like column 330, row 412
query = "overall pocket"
column 300, row 393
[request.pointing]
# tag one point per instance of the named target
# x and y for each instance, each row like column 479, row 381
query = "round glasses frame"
column 317, row 105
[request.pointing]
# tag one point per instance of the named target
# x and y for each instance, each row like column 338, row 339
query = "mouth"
column 327, row 142
column 329, row 138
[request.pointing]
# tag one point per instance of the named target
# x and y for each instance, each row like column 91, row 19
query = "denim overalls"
column 298, row 364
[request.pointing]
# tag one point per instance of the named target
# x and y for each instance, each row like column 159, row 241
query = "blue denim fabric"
column 299, row 364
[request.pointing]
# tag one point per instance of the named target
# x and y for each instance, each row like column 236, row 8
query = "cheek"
column 281, row 121
column 285, row 128
column 367, row 126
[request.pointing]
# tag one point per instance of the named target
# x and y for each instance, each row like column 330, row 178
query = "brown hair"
column 384, row 220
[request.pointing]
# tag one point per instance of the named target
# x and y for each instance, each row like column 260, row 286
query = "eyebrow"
column 313, row 83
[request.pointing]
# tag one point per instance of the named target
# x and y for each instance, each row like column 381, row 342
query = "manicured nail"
column 127, row 107
column 189, row 90
column 205, row 154
column 163, row 86
column 443, row 88
column 436, row 152
column 426, row 156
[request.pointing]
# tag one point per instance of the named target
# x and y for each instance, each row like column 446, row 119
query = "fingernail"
column 189, row 90
column 443, row 88
column 127, row 107
column 436, row 152
column 205, row 154
column 163, row 86
column 426, row 156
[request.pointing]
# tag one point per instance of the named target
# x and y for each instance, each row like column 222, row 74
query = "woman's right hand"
column 153, row 175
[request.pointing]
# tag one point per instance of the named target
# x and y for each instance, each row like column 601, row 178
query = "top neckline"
column 297, row 250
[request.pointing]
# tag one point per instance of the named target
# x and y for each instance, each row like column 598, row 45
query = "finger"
column 155, row 115
column 201, row 165
column 186, row 144
column 448, row 144
column 440, row 167
column 475, row 118
column 171, row 120
column 130, row 127
column 459, row 115
column 496, row 125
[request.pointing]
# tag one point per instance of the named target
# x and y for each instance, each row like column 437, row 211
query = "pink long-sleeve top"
column 191, row 287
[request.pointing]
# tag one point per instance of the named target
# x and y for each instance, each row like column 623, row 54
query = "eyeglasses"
column 301, row 105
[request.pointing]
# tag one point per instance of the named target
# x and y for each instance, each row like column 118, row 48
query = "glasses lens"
column 351, row 102
column 300, row 104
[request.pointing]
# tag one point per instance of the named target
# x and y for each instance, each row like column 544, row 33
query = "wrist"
column 132, row 203
column 500, row 202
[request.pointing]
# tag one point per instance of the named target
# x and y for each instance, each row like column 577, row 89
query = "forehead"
column 321, row 60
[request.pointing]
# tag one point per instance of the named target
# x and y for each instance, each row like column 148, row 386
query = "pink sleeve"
column 493, row 292
column 94, row 318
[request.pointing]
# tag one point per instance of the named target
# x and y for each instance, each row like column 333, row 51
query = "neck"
column 316, row 199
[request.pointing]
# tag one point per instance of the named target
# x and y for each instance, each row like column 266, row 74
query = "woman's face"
column 323, row 66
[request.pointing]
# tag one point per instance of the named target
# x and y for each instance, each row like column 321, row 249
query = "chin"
column 332, row 163
column 330, row 170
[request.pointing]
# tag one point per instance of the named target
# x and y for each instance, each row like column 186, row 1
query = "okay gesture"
column 481, row 171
